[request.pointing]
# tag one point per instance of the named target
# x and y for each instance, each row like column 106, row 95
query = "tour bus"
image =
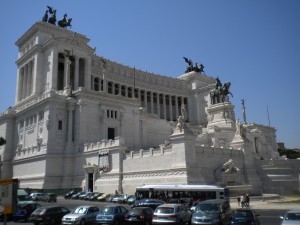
column 184, row 193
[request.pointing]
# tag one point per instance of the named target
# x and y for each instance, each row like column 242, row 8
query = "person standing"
column 238, row 197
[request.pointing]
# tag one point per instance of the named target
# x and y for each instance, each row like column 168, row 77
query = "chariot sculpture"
column 64, row 22
column 197, row 68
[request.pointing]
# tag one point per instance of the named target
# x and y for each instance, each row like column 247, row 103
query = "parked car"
column 152, row 203
column 24, row 210
column 111, row 214
column 131, row 199
column 292, row 217
column 76, row 196
column 171, row 214
column 83, row 195
column 109, row 198
column 81, row 215
column 121, row 199
column 88, row 195
column 95, row 196
column 39, row 197
column 216, row 211
column 141, row 215
column 103, row 197
column 52, row 197
column 244, row 216
column 70, row 193
column 48, row 214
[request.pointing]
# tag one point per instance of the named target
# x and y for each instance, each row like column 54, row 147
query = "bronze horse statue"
column 64, row 22
column 220, row 93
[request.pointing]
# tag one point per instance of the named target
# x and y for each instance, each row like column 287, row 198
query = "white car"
column 292, row 217
column 81, row 215
column 171, row 214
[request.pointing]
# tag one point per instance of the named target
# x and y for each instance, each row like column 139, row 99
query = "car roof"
column 86, row 206
column 114, row 205
column 293, row 211
column 141, row 207
column 51, row 207
column 170, row 205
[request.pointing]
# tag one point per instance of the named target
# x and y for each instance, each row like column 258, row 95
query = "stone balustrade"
column 102, row 144
column 29, row 151
column 149, row 152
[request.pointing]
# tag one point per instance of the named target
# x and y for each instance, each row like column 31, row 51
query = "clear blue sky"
column 254, row 44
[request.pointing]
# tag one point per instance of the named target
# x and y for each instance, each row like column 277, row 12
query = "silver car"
column 39, row 197
column 81, row 215
column 292, row 217
column 171, row 214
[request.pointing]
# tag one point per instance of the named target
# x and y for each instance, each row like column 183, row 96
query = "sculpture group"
column 220, row 92
column 197, row 68
column 64, row 22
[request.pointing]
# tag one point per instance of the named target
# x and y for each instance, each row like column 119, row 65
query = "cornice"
column 29, row 55
column 50, row 29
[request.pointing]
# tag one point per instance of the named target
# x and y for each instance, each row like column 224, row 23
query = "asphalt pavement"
column 270, row 202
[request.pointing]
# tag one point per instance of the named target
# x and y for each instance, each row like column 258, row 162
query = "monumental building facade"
column 82, row 121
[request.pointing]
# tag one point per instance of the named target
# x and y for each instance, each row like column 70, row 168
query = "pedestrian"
column 238, row 197
column 247, row 199
column 243, row 201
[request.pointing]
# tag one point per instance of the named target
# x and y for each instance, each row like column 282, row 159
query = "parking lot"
column 269, row 212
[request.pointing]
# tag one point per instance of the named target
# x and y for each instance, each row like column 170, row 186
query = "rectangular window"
column 59, row 125
column 111, row 133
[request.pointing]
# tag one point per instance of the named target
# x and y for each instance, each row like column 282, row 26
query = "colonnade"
column 166, row 106
column 25, row 80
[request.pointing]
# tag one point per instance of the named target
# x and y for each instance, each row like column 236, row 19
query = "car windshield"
column 241, row 213
column 80, row 210
column 136, row 210
column 292, row 216
column 207, row 208
column 107, row 210
column 39, row 211
column 165, row 210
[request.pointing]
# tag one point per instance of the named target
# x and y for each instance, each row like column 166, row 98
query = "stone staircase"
column 279, row 176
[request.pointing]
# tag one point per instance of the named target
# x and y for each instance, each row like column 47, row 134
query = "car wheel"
column 82, row 222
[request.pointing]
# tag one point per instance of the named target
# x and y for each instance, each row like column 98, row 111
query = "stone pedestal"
column 221, row 115
column 183, row 146
column 250, row 167
column 221, row 124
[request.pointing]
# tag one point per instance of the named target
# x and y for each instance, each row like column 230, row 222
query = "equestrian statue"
column 220, row 92
column 64, row 22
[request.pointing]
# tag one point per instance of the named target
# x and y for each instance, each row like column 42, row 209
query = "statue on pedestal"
column 181, row 119
column 220, row 93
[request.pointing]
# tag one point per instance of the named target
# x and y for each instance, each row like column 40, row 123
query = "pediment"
column 73, row 41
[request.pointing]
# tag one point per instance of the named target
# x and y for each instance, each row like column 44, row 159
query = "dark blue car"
column 24, row 210
column 112, row 214
column 244, row 216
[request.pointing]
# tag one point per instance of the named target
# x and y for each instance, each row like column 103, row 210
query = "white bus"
column 182, row 192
